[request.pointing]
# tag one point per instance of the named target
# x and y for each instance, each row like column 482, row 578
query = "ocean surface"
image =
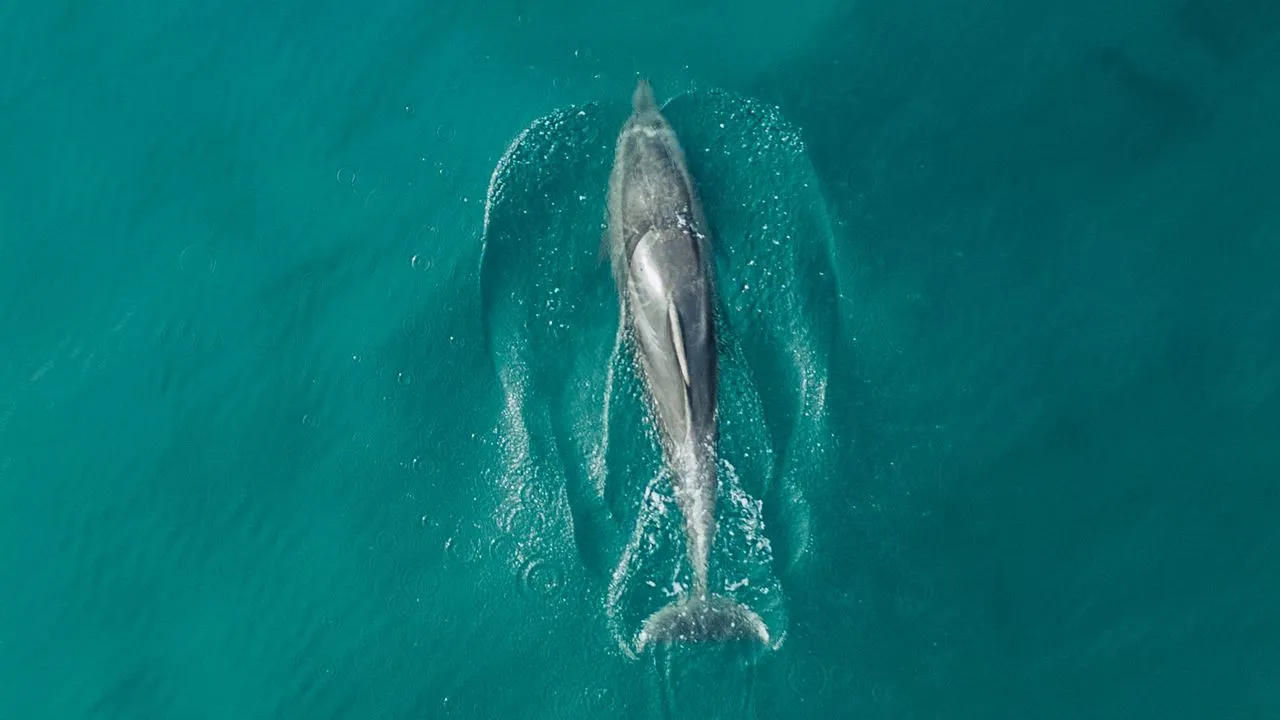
column 313, row 401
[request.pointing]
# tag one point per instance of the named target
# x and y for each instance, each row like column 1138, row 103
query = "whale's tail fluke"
column 701, row 619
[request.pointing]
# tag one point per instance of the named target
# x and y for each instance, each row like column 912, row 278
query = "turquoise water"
column 312, row 402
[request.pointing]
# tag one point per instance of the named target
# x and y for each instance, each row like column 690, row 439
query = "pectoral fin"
column 677, row 340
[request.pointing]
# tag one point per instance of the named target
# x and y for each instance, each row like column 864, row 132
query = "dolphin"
column 659, row 248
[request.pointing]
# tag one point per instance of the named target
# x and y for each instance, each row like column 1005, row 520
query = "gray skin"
column 659, row 248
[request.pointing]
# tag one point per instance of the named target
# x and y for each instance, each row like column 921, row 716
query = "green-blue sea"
column 316, row 400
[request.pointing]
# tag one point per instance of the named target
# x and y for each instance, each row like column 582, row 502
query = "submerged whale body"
column 659, row 247
column 581, row 465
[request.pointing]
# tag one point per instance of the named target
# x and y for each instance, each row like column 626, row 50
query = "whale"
column 658, row 242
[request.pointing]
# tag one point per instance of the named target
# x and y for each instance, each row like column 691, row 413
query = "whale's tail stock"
column 701, row 619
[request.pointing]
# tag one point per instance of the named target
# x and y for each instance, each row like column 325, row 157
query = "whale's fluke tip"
column 642, row 99
column 712, row 618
